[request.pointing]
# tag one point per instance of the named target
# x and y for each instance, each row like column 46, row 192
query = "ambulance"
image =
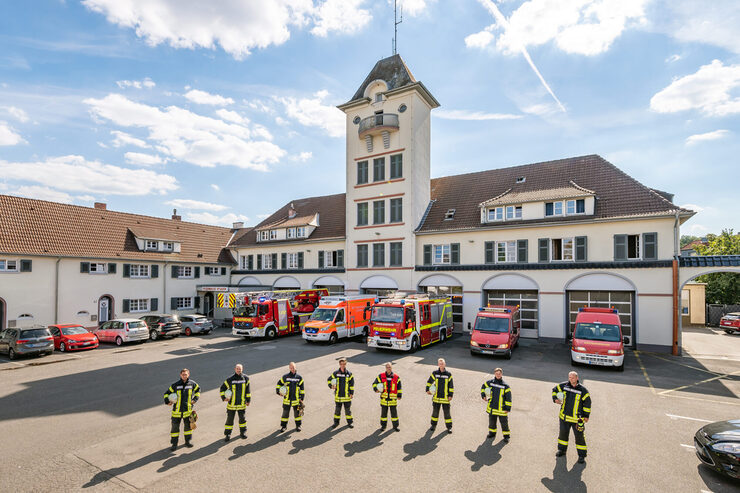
column 597, row 339
column 338, row 317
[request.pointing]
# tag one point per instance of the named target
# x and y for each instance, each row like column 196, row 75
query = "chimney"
column 238, row 225
column 175, row 217
column 100, row 205
column 291, row 211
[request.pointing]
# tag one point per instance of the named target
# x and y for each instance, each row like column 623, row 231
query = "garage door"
column 528, row 307
column 623, row 301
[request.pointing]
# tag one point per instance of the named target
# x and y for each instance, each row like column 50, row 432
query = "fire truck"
column 272, row 313
column 409, row 321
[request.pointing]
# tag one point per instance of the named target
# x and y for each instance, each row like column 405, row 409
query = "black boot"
column 581, row 459
column 560, row 453
column 174, row 446
column 227, row 438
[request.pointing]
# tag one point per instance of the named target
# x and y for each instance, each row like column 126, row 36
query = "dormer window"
column 513, row 212
column 300, row 232
column 495, row 214
column 575, row 206
column 450, row 214
column 521, row 179
column 168, row 246
column 290, row 233
column 152, row 245
column 273, row 234
column 553, row 209
column 379, row 97
column 264, row 235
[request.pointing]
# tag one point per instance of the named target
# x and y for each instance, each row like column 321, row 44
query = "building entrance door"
column 105, row 305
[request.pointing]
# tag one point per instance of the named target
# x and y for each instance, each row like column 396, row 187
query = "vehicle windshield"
column 136, row 325
column 200, row 319
column 244, row 311
column 30, row 334
column 324, row 314
column 598, row 332
column 70, row 331
column 491, row 324
column 387, row 314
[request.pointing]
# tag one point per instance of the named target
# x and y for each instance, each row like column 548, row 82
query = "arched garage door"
column 515, row 289
column 333, row 284
column 378, row 285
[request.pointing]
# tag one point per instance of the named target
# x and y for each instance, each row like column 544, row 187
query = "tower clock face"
column 356, row 120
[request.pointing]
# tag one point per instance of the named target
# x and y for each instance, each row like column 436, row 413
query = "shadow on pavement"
column 715, row 481
column 375, row 439
column 108, row 474
column 487, row 454
column 316, row 440
column 564, row 480
column 423, row 446
column 196, row 454
column 263, row 443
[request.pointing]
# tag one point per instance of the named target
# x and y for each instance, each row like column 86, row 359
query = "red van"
column 496, row 331
column 597, row 339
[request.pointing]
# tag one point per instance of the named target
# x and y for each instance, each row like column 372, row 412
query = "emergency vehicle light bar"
column 497, row 310
column 597, row 310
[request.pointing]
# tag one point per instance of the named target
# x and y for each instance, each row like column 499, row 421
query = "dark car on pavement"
column 26, row 341
column 162, row 326
column 718, row 446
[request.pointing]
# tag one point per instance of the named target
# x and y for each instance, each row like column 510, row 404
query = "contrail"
column 501, row 20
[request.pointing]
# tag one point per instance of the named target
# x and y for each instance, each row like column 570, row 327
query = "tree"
column 686, row 239
column 722, row 287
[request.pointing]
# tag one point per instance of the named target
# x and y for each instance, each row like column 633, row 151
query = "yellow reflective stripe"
column 587, row 409
column 581, row 447
column 507, row 390
column 562, row 442
column 575, row 406
column 507, row 403
column 586, row 396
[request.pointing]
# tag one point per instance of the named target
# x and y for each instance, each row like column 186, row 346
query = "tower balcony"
column 377, row 124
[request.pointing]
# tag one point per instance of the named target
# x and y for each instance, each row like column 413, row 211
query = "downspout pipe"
column 676, row 351
column 56, row 291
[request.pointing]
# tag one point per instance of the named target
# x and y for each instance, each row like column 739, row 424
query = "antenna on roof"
column 396, row 22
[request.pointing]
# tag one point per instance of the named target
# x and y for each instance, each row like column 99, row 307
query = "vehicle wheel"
column 333, row 338
column 620, row 368
column 153, row 335
column 49, row 353
column 728, row 332
column 271, row 333
column 473, row 353
column 246, row 338
column 11, row 354
column 573, row 362
column 119, row 341
column 62, row 347
column 508, row 354
column 414, row 344
column 442, row 335
column 188, row 332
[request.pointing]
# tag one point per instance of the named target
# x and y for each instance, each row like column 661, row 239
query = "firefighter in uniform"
column 388, row 384
column 238, row 384
column 499, row 403
column 444, row 389
column 188, row 393
column 295, row 394
column 342, row 382
column 575, row 408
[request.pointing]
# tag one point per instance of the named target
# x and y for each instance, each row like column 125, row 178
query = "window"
column 362, row 174
column 292, row 261
column 379, row 212
column 266, row 262
column 633, row 246
column 521, row 179
column 396, row 166
column 379, row 98
column 553, row 209
column 361, row 255
column 496, row 214
column 273, row 234
column 152, row 245
column 168, row 246
column 139, row 270
column 290, row 233
column 98, row 268
column 396, row 254
column 396, row 210
column 561, row 249
column 441, row 254
column 184, row 272
column 362, row 214
column 141, row 305
column 505, row 251
column 685, row 302
column 378, row 255
column 575, row 206
column 331, row 258
column 264, row 235
column 379, row 168
column 244, row 262
column 183, row 303
column 513, row 212
column 214, row 271
column 300, row 232
column 8, row 266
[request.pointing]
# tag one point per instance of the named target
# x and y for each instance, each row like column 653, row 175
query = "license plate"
column 37, row 345
column 486, row 352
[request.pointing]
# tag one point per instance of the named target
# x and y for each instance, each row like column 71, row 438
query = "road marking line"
column 644, row 371
column 702, row 400
column 682, row 387
column 688, row 446
column 675, row 416
column 685, row 365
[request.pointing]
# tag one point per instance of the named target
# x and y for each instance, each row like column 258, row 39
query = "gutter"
column 56, row 290
column 676, row 351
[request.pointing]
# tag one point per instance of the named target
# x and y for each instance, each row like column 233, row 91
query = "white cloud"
column 302, row 157
column 262, row 106
column 203, row 97
column 215, row 187
column 311, row 112
column 232, row 116
column 413, row 7
column 196, row 204
column 147, row 83
column 473, row 115
column 42, row 193
column 342, row 16
column 713, row 23
column 8, row 136
column 17, row 113
column 717, row 134
column 143, row 159
column 182, row 135
column 208, row 218
column 263, row 216
column 76, row 174
column 693, row 207
column 695, row 230
column 708, row 90
column 541, row 109
column 673, row 58
column 480, row 39
column 122, row 138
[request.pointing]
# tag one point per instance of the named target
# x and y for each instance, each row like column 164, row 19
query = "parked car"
column 195, row 324
column 496, row 331
column 730, row 323
column 122, row 330
column 26, row 341
column 72, row 338
column 597, row 339
column 718, row 446
column 162, row 326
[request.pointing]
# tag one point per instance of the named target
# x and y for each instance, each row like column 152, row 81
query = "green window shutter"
column 620, row 247
column 283, row 260
column 154, row 270
column 223, row 271
column 259, row 262
column 489, row 252
column 197, row 272
column 127, row 270
column 112, row 268
column 196, row 302
column 174, row 271
column 274, row 261
column 650, row 246
column 84, row 267
column 581, row 248
column 427, row 254
column 250, row 263
column 340, row 258
column 522, row 247
column 321, row 259
column 173, row 303
column 125, row 306
column 543, row 247
column 454, row 253
column 25, row 266
column 154, row 304
column 300, row 260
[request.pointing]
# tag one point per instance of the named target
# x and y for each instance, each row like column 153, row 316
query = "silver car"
column 195, row 324
column 122, row 330
column 25, row 341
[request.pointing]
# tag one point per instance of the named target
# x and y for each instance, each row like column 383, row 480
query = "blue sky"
column 225, row 110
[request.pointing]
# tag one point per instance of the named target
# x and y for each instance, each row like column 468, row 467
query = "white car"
column 122, row 330
column 195, row 324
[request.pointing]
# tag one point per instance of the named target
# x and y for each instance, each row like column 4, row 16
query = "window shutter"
column 173, row 303
column 549, row 209
column 489, row 246
column 620, row 247
column 112, row 268
column 321, row 259
column 544, row 250
column 274, row 261
column 223, row 271
column 84, row 267
column 522, row 247
column 196, row 302
column 259, row 261
column 340, row 258
column 125, row 306
column 174, row 271
column 127, row 270
column 154, row 304
column 427, row 254
column 197, row 272
column 581, row 248
column 454, row 253
column 25, row 266
column 300, row 260
column 250, row 263
column 154, row 270
column 283, row 260
column 650, row 246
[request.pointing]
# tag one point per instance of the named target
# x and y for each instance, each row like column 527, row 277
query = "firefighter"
column 444, row 389
column 295, row 394
column 188, row 393
column 499, row 403
column 238, row 385
column 575, row 408
column 342, row 382
column 391, row 393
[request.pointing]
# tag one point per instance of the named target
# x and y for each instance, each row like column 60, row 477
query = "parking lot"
column 95, row 420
